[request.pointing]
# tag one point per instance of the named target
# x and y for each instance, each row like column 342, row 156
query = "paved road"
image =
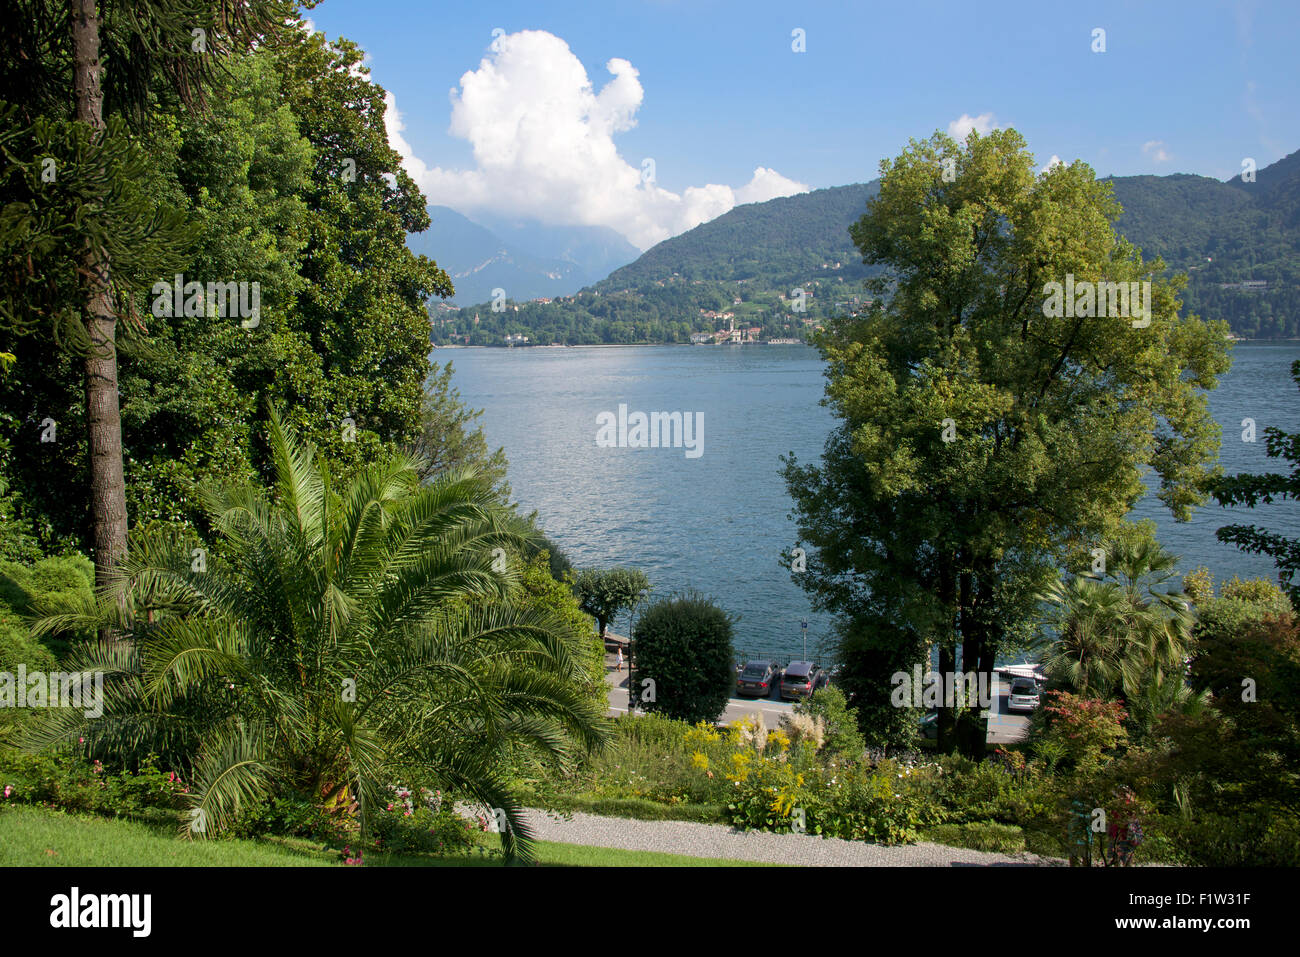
column 1004, row 726
column 721, row 841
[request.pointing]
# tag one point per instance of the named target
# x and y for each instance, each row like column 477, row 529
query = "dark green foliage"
column 868, row 653
column 450, row 437
column 74, row 783
column 1248, row 658
column 342, row 335
column 684, row 645
column 17, row 543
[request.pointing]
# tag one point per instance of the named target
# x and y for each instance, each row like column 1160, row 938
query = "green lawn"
column 37, row 836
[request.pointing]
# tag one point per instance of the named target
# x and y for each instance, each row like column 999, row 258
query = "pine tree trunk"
column 103, row 418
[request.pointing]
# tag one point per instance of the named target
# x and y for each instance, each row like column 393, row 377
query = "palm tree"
column 1089, row 651
column 1126, row 634
column 335, row 643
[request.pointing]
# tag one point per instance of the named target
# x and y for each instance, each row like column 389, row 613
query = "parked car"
column 801, row 679
column 928, row 726
column 755, row 679
column 1023, row 695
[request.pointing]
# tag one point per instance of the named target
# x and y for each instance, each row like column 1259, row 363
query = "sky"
column 651, row 116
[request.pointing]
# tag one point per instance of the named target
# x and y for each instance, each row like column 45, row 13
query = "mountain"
column 595, row 250
column 533, row 260
column 780, row 241
column 1238, row 243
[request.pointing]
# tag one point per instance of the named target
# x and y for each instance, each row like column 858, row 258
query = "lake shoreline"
column 644, row 345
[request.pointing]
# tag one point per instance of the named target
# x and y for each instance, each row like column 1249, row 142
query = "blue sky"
column 712, row 91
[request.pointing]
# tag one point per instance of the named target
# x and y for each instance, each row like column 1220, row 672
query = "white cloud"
column 767, row 184
column 1054, row 161
column 1156, row 150
column 543, row 145
column 961, row 127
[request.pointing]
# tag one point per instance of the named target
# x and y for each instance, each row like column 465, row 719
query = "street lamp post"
column 804, row 626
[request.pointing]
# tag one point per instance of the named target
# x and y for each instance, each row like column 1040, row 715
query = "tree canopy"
column 983, row 441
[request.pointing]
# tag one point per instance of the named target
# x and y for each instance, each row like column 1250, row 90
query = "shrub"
column 289, row 815
column 840, row 721
column 1258, row 590
column 979, row 836
column 429, row 826
column 69, row 781
column 869, row 650
column 1079, row 731
column 683, row 645
column 1256, row 838
column 888, row 804
column 48, row 586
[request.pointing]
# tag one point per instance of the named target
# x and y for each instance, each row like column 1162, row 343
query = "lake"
column 718, row 521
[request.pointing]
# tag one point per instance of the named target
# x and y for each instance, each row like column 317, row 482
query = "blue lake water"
column 719, row 522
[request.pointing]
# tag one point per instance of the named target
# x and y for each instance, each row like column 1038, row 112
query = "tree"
column 289, row 156
column 604, row 593
column 1125, row 633
column 1250, row 490
column 683, row 646
column 983, row 433
column 450, row 437
column 334, row 641
column 116, row 52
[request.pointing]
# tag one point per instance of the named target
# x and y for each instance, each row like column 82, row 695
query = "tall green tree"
column 605, row 593
column 450, row 437
column 1252, row 490
column 289, row 154
column 338, row 639
column 984, row 434
column 104, row 65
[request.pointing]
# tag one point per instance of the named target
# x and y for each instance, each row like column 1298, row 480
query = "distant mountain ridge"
column 781, row 239
column 1238, row 242
column 526, row 259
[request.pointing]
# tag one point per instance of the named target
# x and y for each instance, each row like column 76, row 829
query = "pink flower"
column 9, row 790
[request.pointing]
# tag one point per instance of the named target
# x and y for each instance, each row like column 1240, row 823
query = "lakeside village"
column 726, row 332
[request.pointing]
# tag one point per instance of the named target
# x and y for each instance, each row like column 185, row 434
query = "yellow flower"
column 700, row 760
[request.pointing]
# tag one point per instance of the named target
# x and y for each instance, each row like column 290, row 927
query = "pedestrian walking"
column 619, row 660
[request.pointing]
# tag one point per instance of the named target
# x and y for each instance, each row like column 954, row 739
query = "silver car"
column 1023, row 695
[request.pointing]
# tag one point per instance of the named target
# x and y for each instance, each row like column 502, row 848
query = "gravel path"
column 719, row 840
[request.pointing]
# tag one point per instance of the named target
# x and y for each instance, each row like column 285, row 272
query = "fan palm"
column 335, row 643
column 1127, row 634
column 1090, row 650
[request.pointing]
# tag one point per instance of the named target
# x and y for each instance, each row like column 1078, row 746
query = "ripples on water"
column 718, row 523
